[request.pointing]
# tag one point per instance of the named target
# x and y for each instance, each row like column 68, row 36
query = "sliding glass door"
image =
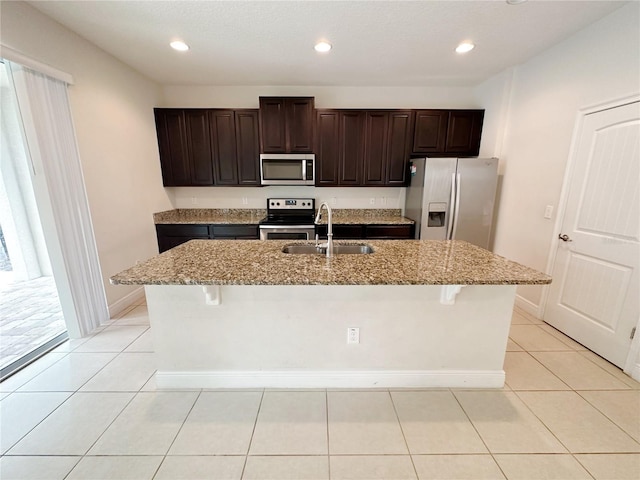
column 31, row 318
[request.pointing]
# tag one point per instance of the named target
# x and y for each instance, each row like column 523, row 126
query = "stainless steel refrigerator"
column 452, row 198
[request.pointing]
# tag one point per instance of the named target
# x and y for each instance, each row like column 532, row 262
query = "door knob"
column 564, row 238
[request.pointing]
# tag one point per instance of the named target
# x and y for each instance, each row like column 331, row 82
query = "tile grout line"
column 453, row 394
column 326, row 407
column 164, row 457
column 604, row 414
column 550, row 371
column 253, row 431
column 36, row 425
column 404, row 437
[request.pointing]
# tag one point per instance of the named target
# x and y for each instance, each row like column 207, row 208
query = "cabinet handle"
column 564, row 238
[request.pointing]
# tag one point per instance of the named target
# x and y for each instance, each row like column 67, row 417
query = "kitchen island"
column 243, row 314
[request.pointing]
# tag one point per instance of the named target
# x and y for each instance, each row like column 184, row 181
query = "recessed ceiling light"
column 515, row 2
column 180, row 46
column 465, row 47
column 322, row 47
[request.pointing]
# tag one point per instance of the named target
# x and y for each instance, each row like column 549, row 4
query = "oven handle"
column 289, row 227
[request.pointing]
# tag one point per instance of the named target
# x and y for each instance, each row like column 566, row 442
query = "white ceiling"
column 391, row 43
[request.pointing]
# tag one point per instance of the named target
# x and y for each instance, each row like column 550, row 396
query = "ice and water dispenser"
column 437, row 215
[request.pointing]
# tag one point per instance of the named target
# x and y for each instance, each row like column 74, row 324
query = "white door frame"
column 632, row 365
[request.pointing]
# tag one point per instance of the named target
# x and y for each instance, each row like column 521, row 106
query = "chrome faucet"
column 329, row 244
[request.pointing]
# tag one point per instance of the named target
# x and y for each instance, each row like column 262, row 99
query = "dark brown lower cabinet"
column 234, row 232
column 389, row 232
column 170, row 236
column 372, row 232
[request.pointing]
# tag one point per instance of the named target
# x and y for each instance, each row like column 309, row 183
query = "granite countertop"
column 389, row 216
column 210, row 216
column 394, row 262
column 374, row 216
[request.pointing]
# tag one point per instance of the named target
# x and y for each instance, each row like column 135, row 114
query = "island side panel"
column 296, row 336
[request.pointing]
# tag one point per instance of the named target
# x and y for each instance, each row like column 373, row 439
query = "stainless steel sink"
column 351, row 249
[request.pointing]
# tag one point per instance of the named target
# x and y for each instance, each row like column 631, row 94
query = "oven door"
column 287, row 232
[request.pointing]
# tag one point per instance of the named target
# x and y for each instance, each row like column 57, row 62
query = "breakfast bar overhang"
column 244, row 314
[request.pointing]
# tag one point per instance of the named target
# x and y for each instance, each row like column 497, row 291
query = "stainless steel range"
column 289, row 219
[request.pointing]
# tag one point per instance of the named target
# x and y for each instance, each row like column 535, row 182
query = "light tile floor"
column 90, row 410
column 30, row 315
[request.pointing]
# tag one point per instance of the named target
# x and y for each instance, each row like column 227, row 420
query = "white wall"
column 229, row 197
column 112, row 108
column 325, row 97
column 530, row 119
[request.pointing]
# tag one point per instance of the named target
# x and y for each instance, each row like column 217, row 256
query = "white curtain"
column 44, row 105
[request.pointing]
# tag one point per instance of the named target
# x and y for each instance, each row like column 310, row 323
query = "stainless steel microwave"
column 287, row 168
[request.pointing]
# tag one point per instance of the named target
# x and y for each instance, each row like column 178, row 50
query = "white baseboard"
column 125, row 302
column 331, row 379
column 635, row 372
column 527, row 306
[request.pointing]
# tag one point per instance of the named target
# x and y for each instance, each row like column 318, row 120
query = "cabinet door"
column 464, row 131
column 223, row 134
column 399, row 147
column 220, row 232
column 273, row 138
column 351, row 148
column 247, row 147
column 172, row 146
column 376, row 133
column 341, row 232
column 299, row 124
column 170, row 236
column 430, row 132
column 327, row 147
column 199, row 147
column 389, row 232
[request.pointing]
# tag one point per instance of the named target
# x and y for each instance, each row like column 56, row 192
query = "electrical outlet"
column 372, row 201
column 353, row 335
column 548, row 211
column 383, row 200
column 194, row 200
column 245, row 200
column 334, row 201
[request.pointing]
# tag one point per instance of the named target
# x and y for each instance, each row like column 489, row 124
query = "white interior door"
column 594, row 297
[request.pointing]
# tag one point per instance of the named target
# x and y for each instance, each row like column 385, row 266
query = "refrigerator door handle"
column 452, row 209
column 457, row 210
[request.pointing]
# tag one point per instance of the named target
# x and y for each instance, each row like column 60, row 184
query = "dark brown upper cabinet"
column 387, row 147
column 172, row 145
column 185, row 147
column 200, row 147
column 327, row 147
column 464, row 131
column 247, row 146
column 223, row 133
column 362, row 147
column 401, row 124
column 430, row 134
column 339, row 147
column 350, row 170
column 286, row 124
column 448, row 132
